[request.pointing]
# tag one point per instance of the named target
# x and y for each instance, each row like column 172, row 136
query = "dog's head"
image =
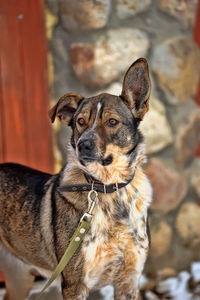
column 105, row 138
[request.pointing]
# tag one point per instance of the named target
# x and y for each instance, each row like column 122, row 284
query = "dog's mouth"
column 107, row 161
column 85, row 159
column 104, row 162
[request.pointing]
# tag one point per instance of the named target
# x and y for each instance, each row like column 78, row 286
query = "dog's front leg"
column 74, row 292
column 71, row 295
column 127, row 290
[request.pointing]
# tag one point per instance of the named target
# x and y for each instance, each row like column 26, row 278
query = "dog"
column 38, row 217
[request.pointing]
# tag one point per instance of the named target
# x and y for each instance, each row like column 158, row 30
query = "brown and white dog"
column 37, row 218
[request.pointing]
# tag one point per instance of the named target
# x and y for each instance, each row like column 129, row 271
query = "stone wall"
column 92, row 43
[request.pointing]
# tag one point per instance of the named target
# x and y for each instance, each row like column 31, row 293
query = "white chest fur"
column 115, row 242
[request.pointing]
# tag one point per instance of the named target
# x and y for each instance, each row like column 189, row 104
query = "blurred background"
column 49, row 48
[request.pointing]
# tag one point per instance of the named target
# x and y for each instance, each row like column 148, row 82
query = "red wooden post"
column 25, row 135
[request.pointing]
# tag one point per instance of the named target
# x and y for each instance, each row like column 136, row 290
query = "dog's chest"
column 113, row 245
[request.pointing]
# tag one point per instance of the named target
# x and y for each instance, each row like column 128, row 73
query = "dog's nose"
column 86, row 146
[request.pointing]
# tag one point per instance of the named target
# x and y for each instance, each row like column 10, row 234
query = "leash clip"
column 92, row 200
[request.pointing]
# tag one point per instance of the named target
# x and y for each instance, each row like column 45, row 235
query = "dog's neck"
column 134, row 190
column 94, row 185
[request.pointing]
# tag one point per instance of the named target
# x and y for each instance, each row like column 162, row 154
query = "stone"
column 160, row 238
column 195, row 180
column 155, row 127
column 188, row 138
column 146, row 283
column 109, row 57
column 169, row 187
column 176, row 65
column 166, row 273
column 129, row 8
column 179, row 114
column 184, row 10
column 192, row 174
column 175, row 287
column 188, row 224
column 83, row 15
column 53, row 5
column 114, row 89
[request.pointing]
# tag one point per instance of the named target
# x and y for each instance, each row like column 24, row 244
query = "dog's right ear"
column 65, row 108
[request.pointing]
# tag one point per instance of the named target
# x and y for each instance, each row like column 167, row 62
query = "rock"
column 192, row 175
column 53, row 5
column 175, row 287
column 184, row 10
column 146, row 283
column 188, row 224
column 114, row 89
column 160, row 238
column 156, row 137
column 176, row 64
column 104, row 61
column 196, row 182
column 81, row 15
column 60, row 62
column 169, row 187
column 179, row 114
column 129, row 8
column 188, row 138
column 165, row 273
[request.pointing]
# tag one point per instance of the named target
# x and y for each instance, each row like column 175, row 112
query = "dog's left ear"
column 136, row 88
column 65, row 108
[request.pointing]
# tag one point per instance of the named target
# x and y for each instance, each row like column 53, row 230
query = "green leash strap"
column 75, row 242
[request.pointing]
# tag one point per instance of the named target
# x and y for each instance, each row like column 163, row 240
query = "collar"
column 95, row 186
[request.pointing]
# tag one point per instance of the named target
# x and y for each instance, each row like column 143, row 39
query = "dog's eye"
column 112, row 122
column 81, row 121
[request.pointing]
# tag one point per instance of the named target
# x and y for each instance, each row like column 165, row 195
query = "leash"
column 75, row 241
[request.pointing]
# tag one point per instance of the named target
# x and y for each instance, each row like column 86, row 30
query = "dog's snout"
column 86, row 146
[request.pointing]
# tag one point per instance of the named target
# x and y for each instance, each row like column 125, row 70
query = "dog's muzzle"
column 85, row 150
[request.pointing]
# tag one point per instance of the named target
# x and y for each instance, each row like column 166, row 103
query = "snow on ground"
column 182, row 286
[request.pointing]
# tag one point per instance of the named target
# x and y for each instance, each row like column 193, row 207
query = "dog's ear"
column 136, row 88
column 65, row 108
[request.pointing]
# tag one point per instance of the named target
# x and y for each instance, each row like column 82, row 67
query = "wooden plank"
column 2, row 138
column 25, row 128
column 35, row 67
column 15, row 147
column 9, row 7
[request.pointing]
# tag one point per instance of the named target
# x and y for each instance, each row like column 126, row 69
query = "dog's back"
column 21, row 194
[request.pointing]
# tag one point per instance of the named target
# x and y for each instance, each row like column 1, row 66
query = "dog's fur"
column 37, row 220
